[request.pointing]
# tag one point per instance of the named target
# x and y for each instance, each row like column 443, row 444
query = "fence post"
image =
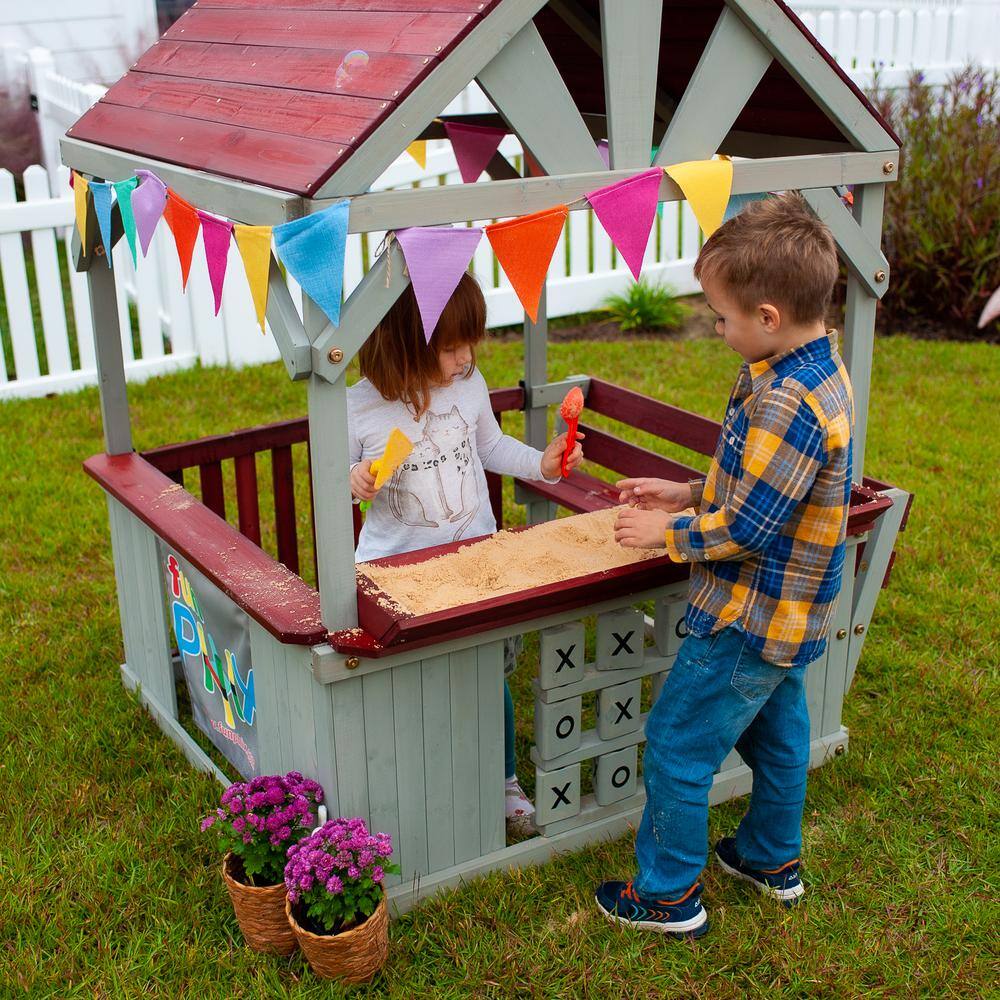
column 41, row 65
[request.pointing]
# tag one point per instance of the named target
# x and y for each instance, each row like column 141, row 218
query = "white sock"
column 516, row 803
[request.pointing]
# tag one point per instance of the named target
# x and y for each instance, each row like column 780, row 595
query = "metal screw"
column 880, row 276
column 858, row 629
column 839, row 750
column 336, row 355
column 841, row 633
column 864, row 565
column 352, row 663
column 888, row 167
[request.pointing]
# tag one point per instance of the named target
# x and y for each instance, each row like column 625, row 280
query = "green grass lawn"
column 107, row 888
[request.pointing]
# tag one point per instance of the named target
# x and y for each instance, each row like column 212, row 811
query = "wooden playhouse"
column 238, row 110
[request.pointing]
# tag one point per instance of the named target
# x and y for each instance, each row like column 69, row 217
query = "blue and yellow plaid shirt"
column 767, row 545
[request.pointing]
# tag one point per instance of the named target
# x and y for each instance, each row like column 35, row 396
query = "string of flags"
column 312, row 248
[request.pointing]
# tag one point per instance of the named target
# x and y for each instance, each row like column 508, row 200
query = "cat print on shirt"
column 435, row 484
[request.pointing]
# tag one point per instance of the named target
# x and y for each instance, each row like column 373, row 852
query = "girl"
column 436, row 396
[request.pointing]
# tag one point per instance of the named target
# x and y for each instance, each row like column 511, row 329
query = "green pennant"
column 123, row 194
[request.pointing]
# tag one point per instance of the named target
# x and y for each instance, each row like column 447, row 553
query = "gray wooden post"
column 108, row 353
column 536, row 417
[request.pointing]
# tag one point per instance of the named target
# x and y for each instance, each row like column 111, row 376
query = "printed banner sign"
column 213, row 638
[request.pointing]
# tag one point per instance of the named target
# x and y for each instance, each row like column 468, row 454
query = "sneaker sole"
column 782, row 895
column 681, row 928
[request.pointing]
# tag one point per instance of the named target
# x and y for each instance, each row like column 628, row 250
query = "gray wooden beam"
column 859, row 321
column 631, row 54
column 771, row 24
column 385, row 281
column 863, row 257
column 431, row 206
column 110, row 363
column 536, row 416
column 445, row 82
column 289, row 332
column 247, row 203
column 525, row 87
column 728, row 71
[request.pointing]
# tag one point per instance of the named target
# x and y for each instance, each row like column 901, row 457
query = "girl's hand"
column 362, row 480
column 642, row 529
column 553, row 455
column 655, row 494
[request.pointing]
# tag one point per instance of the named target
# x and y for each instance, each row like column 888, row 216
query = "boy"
column 766, row 550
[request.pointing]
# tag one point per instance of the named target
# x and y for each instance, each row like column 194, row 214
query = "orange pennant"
column 182, row 218
column 524, row 248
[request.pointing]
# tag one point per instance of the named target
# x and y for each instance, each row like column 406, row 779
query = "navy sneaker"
column 684, row 917
column 783, row 884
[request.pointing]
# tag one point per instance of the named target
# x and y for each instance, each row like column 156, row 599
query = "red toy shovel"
column 570, row 412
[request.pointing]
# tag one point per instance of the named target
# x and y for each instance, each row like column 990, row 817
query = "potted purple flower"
column 336, row 899
column 258, row 820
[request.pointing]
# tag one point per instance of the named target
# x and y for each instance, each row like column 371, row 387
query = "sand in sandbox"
column 508, row 562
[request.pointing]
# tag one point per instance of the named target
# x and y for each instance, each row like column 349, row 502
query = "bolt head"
column 888, row 167
column 336, row 355
column 839, row 750
column 880, row 276
column 859, row 629
column 841, row 633
column 352, row 663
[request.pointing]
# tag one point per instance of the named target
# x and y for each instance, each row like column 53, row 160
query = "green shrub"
column 645, row 307
column 942, row 221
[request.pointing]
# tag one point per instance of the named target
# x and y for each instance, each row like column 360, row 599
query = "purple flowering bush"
column 260, row 818
column 336, row 873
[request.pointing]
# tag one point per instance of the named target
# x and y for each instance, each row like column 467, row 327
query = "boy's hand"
column 655, row 494
column 552, row 456
column 362, row 480
column 642, row 529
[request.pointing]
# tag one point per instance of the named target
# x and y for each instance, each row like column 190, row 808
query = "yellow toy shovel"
column 397, row 449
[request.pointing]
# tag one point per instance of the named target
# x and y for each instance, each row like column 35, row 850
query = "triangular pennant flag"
column 707, row 185
column 418, row 150
column 216, row 234
column 312, row 248
column 148, row 201
column 604, row 152
column 123, row 195
column 80, row 189
column 101, row 193
column 436, row 260
column 738, row 202
column 254, row 243
column 474, row 146
column 627, row 210
column 184, row 223
column 524, row 248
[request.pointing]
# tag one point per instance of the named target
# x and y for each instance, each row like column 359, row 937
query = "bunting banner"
column 524, row 248
column 418, row 150
column 738, row 202
column 707, row 185
column 148, row 202
column 627, row 210
column 254, row 244
column 100, row 191
column 184, row 224
column 474, row 146
column 123, row 196
column 312, row 248
column 80, row 190
column 436, row 259
column 216, row 234
column 604, row 152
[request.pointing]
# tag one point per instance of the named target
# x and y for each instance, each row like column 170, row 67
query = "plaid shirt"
column 768, row 542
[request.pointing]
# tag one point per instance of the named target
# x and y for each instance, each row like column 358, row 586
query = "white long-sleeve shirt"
column 439, row 493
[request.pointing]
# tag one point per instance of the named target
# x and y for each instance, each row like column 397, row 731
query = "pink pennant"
column 474, row 146
column 216, row 234
column 626, row 211
column 436, row 259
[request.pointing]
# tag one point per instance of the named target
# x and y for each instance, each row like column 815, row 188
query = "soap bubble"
column 354, row 60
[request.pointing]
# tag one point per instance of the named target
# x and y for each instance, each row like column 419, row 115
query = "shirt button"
column 683, row 557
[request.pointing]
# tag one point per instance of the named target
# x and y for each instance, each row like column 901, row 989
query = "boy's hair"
column 776, row 251
column 398, row 360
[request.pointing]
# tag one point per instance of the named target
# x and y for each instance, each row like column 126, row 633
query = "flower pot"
column 260, row 912
column 352, row 956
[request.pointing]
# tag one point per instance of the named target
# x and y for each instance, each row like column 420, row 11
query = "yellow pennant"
column 707, row 185
column 80, row 190
column 254, row 244
column 418, row 150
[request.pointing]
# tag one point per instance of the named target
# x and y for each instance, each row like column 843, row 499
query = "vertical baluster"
column 312, row 511
column 212, row 494
column 247, row 503
column 284, row 506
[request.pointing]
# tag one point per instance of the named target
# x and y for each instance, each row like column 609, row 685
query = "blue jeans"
column 721, row 694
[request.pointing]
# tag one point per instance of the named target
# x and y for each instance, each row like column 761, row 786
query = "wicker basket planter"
column 260, row 912
column 352, row 956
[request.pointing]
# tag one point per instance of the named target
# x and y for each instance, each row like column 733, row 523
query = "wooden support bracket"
column 289, row 331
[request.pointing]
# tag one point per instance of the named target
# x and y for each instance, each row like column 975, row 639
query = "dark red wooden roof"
column 258, row 90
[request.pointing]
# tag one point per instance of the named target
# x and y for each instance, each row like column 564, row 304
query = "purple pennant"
column 604, row 152
column 626, row 211
column 148, row 202
column 436, row 259
column 216, row 234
